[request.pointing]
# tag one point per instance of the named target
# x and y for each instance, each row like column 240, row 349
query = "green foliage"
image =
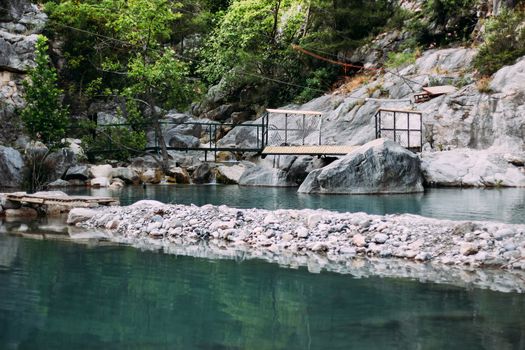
column 442, row 22
column 399, row 59
column 116, row 142
column 44, row 116
column 318, row 81
column 504, row 42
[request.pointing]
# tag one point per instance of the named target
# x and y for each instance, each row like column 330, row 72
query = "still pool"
column 504, row 205
column 61, row 295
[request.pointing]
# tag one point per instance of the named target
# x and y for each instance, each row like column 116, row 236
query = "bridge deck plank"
column 332, row 150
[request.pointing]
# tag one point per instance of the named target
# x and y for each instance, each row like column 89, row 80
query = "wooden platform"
column 67, row 201
column 323, row 150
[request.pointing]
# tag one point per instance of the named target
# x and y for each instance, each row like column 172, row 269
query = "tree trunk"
column 160, row 137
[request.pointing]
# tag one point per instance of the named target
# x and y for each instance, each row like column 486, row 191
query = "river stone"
column 11, row 167
column 147, row 203
column 380, row 238
column 468, row 249
column 359, row 240
column 77, row 215
column 380, row 166
column 503, row 233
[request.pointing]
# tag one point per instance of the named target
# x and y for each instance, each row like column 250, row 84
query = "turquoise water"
column 504, row 205
column 60, row 295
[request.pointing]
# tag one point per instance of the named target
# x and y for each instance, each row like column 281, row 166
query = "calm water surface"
column 505, row 205
column 60, row 295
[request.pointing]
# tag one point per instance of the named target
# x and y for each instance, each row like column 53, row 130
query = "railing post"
column 408, row 130
column 320, row 129
column 304, row 128
column 395, row 126
column 286, row 129
column 377, row 123
column 267, row 128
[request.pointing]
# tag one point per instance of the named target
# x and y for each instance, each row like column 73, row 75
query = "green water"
column 504, row 205
column 60, row 295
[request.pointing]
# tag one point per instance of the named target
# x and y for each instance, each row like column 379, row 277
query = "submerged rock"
column 380, row 166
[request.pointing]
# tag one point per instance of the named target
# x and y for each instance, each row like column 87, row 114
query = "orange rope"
column 339, row 63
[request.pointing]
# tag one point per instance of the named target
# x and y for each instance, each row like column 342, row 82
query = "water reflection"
column 64, row 296
column 505, row 205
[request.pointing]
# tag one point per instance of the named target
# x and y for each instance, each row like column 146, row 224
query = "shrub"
column 398, row 59
column 504, row 42
column 483, row 85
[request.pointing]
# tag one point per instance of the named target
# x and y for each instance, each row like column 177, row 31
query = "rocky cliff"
column 20, row 22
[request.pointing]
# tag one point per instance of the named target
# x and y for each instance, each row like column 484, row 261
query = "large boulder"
column 472, row 168
column 77, row 172
column 380, row 166
column 129, row 175
column 100, row 182
column 178, row 175
column 203, row 174
column 104, row 170
column 230, row 175
column 11, row 167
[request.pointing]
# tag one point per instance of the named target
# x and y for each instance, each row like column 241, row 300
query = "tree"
column 44, row 116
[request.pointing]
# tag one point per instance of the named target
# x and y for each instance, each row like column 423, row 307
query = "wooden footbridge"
column 291, row 132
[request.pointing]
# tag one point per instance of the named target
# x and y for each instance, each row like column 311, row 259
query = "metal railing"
column 402, row 126
column 213, row 131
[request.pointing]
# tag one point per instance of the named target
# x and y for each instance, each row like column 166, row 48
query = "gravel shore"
column 483, row 254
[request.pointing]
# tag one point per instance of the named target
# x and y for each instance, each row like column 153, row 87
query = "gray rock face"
column 11, row 167
column 17, row 51
column 380, row 166
column 20, row 21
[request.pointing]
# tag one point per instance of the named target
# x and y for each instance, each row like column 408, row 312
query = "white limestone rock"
column 467, row 167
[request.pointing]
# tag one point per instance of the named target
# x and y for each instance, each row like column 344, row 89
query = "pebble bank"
column 485, row 254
